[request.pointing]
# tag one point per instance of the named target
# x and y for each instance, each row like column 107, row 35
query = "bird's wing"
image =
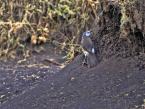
column 88, row 45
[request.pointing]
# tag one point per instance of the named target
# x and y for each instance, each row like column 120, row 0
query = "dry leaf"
column 33, row 39
column 42, row 39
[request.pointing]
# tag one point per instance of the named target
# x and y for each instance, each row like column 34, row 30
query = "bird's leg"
column 85, row 60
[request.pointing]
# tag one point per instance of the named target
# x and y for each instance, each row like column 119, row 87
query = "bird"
column 88, row 49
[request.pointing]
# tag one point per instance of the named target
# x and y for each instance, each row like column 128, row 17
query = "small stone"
column 72, row 78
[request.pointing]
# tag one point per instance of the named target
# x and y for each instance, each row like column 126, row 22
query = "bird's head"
column 87, row 34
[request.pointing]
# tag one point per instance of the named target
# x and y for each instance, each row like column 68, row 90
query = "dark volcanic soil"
column 19, row 75
column 117, row 83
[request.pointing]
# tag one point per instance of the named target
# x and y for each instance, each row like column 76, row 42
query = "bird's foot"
column 84, row 63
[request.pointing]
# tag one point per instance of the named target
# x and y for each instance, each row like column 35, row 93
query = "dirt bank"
column 116, row 83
